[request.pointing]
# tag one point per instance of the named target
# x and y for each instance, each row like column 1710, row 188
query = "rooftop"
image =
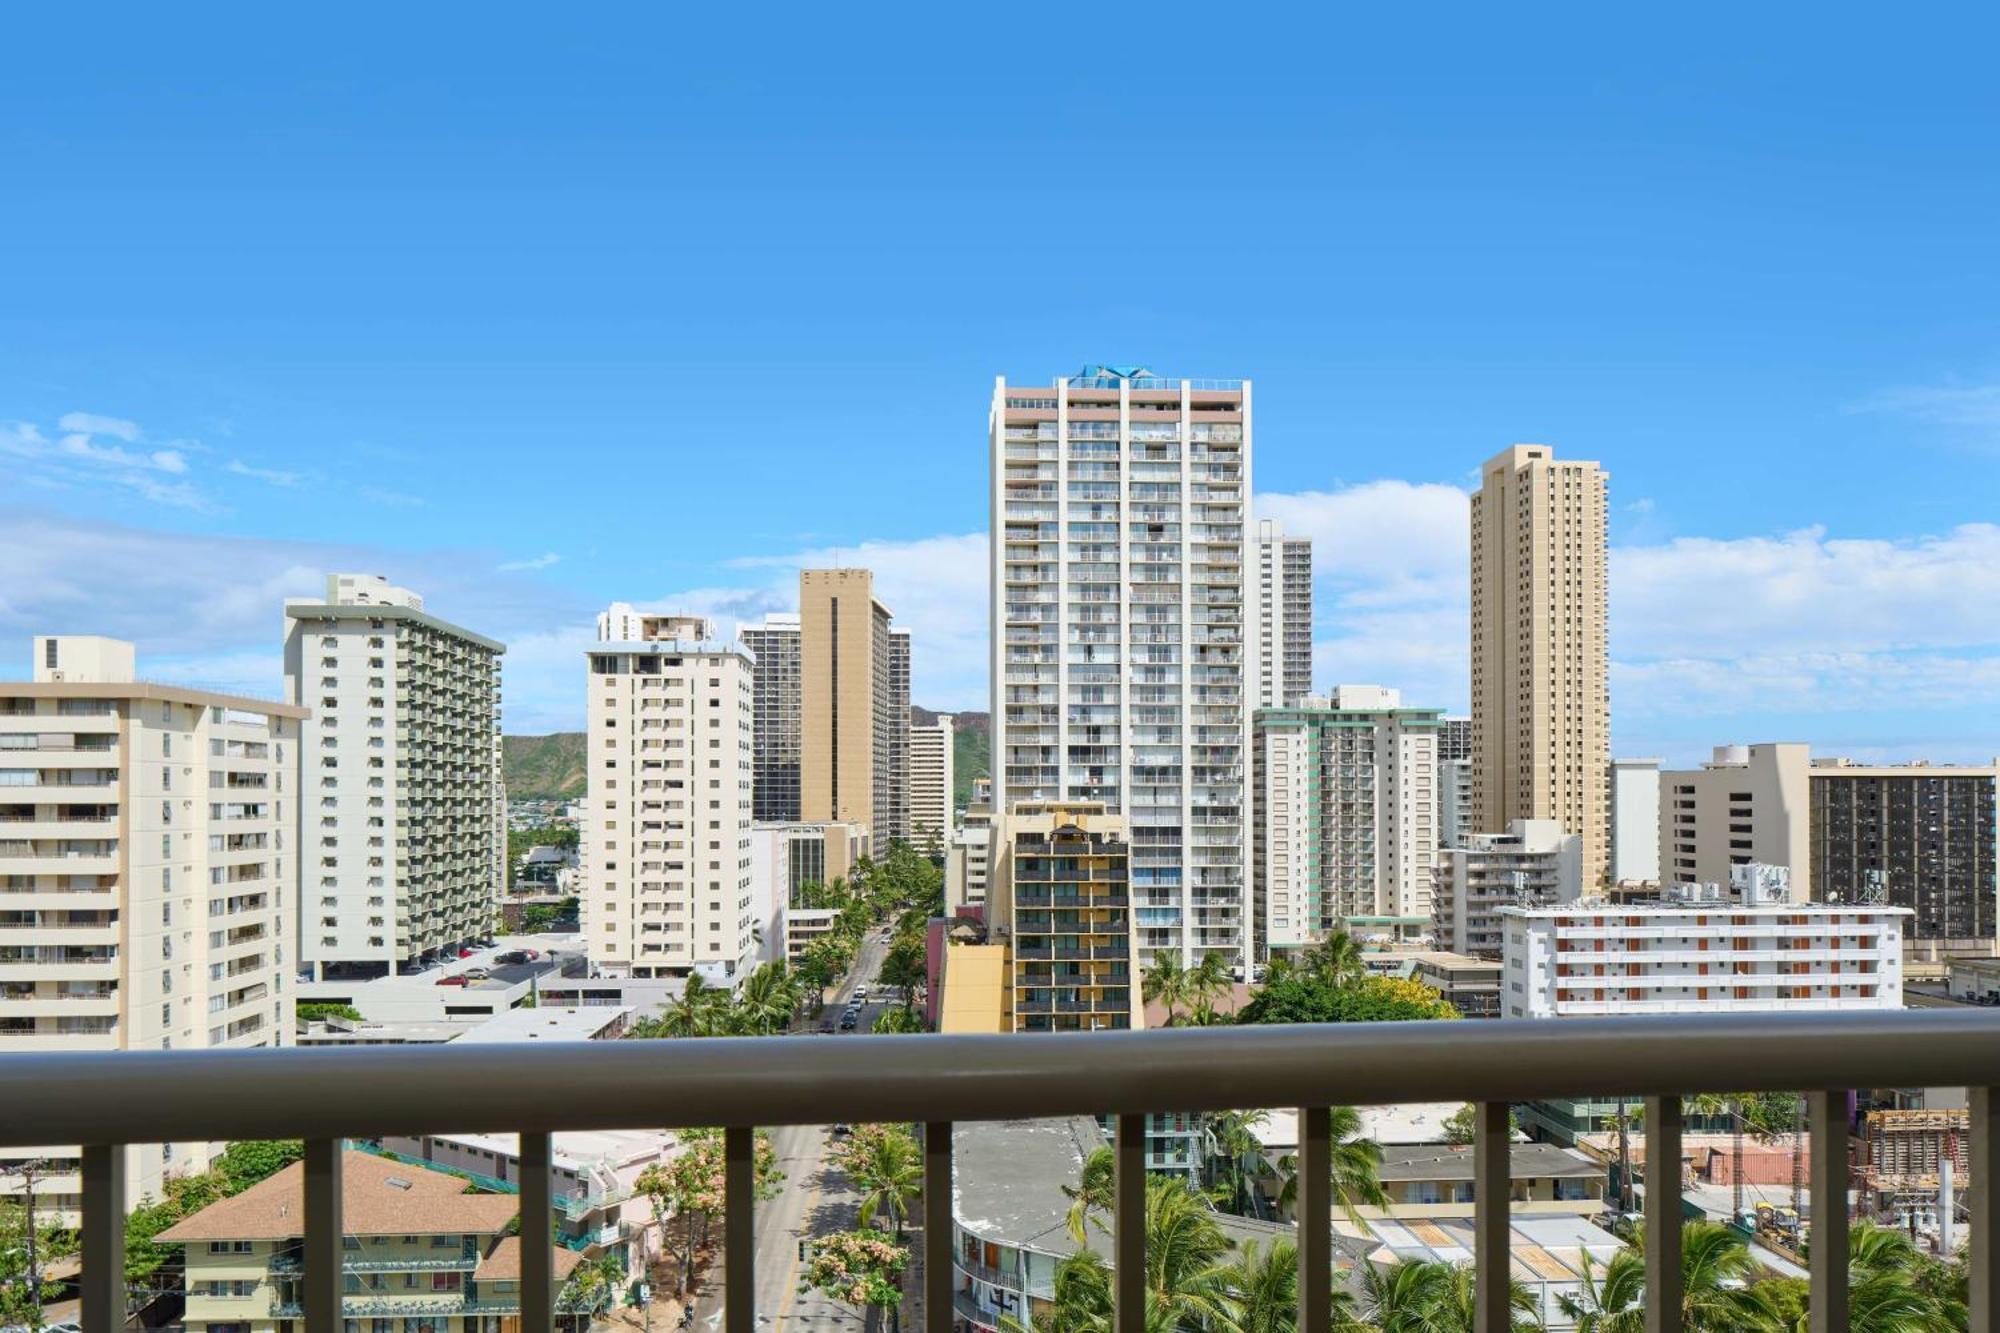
column 379, row 1197
column 1527, row 1161
column 1546, row 1247
column 546, row 1024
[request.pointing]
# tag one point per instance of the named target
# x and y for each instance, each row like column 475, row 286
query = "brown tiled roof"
column 503, row 1262
column 379, row 1197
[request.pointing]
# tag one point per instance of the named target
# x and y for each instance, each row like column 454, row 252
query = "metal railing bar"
column 214, row 1095
column 1663, row 1215
column 1826, row 1120
column 1129, row 1226
column 321, row 1251
column 1315, row 1212
column 1492, row 1239
column 103, row 1276
column 739, row 1240
column 937, row 1227
column 538, row 1260
column 1983, row 1245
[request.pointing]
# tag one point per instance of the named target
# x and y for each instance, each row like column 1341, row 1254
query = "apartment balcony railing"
column 113, row 1099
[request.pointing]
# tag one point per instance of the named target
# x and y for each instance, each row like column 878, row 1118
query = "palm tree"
column 1187, row 1283
column 1096, row 1191
column 1337, row 959
column 1212, row 978
column 1235, row 1142
column 1264, row 1291
column 1715, row 1265
column 1428, row 1296
column 767, row 1000
column 1883, row 1293
column 1168, row 983
column 1356, row 1179
column 1080, row 1299
column 891, row 1176
column 697, row 1013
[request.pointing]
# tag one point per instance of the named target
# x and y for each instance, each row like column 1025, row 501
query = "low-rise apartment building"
column 1700, row 955
column 1064, row 870
column 421, row 1253
column 1534, row 861
column 147, row 877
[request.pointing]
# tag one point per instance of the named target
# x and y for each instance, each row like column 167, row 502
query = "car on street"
column 827, row 1026
column 848, row 1020
column 455, row 979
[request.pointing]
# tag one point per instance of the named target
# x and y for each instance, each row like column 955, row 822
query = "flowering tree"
column 692, row 1185
column 859, row 1268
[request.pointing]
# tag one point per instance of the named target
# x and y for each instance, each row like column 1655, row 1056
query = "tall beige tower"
column 1541, row 710
column 851, row 758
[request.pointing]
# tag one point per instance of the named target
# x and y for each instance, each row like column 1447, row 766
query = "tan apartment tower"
column 851, row 759
column 147, row 880
column 1541, row 710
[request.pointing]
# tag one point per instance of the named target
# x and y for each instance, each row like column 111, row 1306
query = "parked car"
column 530, row 955
column 455, row 979
column 477, row 974
column 861, row 995
column 511, row 956
column 467, row 953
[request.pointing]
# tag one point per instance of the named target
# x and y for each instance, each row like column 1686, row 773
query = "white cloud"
column 542, row 561
column 267, row 475
column 89, row 423
column 395, row 499
column 1942, row 405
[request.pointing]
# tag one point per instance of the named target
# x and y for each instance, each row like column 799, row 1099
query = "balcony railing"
column 113, row 1099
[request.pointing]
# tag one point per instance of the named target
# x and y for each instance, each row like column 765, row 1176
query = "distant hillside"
column 544, row 767
column 971, row 748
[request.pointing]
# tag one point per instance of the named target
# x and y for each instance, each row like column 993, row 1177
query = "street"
column 815, row 1200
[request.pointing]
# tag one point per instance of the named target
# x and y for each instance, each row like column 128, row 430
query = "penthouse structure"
column 1124, row 646
column 403, row 857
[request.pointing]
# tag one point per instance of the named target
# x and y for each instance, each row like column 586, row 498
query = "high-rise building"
column 968, row 859
column 400, row 858
column 774, row 784
column 1284, row 617
column 1455, row 739
column 1541, row 712
column 1063, row 871
column 147, row 877
column 1920, row 836
column 1454, row 800
column 854, row 728
column 1123, row 645
column 1347, row 815
column 1533, row 862
column 931, row 782
column 1635, row 821
column 666, row 842
column 896, row 788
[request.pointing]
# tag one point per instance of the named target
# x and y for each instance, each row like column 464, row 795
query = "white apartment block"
column 930, row 768
column 1123, row 644
column 1284, row 617
column 1454, row 801
column 1921, row 836
column 402, row 854
column 1635, row 821
column 775, row 645
column 1696, row 955
column 147, row 877
column 667, row 878
column 789, row 864
column 1347, row 815
column 968, row 860
column 1532, row 863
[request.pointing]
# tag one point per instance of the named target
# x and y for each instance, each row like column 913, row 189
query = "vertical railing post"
column 739, row 1230
column 103, row 1274
column 1492, row 1237
column 1983, row 1243
column 1315, row 1210
column 538, row 1258
column 938, row 1249
column 325, row 1251
column 1828, row 1283
column 1129, row 1224
column 1663, row 1215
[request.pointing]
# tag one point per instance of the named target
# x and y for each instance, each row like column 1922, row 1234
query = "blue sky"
column 545, row 310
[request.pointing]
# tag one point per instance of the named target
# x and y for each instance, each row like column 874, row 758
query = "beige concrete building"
column 1541, row 712
column 666, row 843
column 147, row 876
column 1124, row 647
column 854, row 719
column 1284, row 617
column 1347, row 814
column 403, row 853
column 931, row 783
column 1920, row 836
